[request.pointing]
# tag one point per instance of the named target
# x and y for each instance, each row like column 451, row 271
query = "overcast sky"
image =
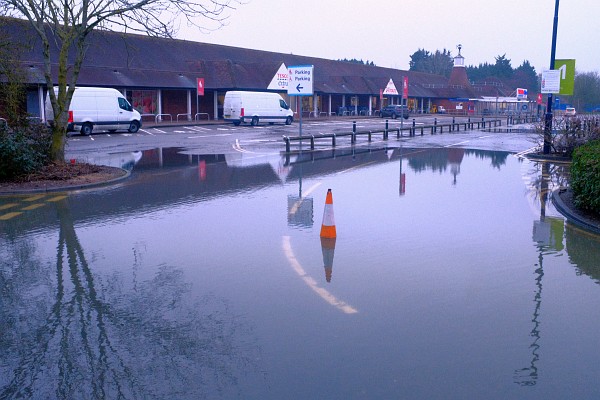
column 387, row 32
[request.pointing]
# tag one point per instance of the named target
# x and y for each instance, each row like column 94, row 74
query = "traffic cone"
column 328, row 225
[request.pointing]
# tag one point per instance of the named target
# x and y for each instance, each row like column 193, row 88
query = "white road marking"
column 237, row 147
column 524, row 152
column 457, row 144
column 208, row 136
column 197, row 128
column 311, row 283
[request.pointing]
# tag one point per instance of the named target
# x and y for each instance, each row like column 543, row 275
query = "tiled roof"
column 125, row 60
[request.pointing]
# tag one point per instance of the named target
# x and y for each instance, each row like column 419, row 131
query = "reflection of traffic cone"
column 328, row 226
column 328, row 249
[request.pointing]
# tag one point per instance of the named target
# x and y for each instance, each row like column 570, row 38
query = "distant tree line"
column 586, row 92
column 355, row 61
column 438, row 63
column 442, row 62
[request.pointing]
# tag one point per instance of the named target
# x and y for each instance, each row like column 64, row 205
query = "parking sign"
column 300, row 80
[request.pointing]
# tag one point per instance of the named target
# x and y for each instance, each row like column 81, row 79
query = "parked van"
column 101, row 108
column 256, row 106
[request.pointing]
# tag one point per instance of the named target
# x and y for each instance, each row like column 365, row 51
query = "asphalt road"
column 222, row 138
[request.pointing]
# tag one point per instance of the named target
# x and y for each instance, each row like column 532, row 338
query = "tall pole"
column 548, row 116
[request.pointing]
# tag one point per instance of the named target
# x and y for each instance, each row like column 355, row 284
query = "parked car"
column 394, row 111
column 570, row 112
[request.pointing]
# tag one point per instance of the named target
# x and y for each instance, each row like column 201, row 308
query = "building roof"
column 116, row 59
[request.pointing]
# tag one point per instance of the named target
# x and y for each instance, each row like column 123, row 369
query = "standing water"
column 452, row 276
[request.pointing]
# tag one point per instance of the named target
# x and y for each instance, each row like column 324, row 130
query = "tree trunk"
column 57, row 150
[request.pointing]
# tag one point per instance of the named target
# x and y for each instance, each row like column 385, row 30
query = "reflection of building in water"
column 455, row 157
column 328, row 249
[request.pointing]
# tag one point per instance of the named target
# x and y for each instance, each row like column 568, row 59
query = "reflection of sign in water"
column 549, row 232
column 300, row 211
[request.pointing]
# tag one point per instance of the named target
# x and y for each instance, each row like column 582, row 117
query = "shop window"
column 144, row 101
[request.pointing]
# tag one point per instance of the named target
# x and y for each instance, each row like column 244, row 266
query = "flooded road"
column 203, row 276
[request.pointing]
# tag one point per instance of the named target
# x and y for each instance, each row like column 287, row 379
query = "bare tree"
column 67, row 24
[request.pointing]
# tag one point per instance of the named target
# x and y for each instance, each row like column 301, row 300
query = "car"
column 394, row 111
column 441, row 110
column 570, row 112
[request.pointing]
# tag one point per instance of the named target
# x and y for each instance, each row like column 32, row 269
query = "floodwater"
column 204, row 277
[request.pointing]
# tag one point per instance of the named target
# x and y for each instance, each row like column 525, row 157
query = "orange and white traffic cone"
column 328, row 225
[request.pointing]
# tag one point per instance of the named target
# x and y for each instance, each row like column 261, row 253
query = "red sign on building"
column 200, row 86
column 405, row 88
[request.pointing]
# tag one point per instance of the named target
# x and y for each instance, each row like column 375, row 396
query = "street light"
column 548, row 117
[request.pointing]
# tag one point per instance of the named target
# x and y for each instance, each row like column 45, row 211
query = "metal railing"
column 159, row 117
column 411, row 129
column 197, row 116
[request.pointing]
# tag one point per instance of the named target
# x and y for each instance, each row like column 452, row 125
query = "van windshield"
column 283, row 104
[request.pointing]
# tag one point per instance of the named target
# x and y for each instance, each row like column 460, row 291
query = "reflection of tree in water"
column 498, row 158
column 546, row 177
column 90, row 341
column 439, row 159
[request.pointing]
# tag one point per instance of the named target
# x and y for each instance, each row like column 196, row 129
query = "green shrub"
column 585, row 176
column 23, row 149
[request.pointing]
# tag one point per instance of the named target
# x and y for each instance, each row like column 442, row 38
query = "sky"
column 388, row 32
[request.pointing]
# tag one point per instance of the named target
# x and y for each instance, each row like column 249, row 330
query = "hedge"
column 23, row 149
column 585, row 176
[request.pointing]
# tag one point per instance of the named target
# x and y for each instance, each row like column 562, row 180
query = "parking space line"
column 197, row 128
column 33, row 206
column 34, row 198
column 10, row 215
column 9, row 205
column 57, row 198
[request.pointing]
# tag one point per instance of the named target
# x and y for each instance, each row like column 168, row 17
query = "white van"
column 256, row 106
column 101, row 108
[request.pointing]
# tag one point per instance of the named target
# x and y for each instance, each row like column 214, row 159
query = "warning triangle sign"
column 390, row 88
column 280, row 80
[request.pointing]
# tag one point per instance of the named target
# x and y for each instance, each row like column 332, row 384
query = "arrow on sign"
column 563, row 71
column 299, row 88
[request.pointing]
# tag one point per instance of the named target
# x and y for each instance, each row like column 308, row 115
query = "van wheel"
column 289, row 120
column 134, row 126
column 254, row 121
column 86, row 129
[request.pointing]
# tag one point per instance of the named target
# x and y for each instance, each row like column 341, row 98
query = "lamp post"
column 548, row 116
